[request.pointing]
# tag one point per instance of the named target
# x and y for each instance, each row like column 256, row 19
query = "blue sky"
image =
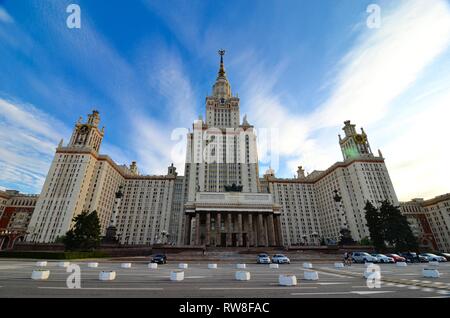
column 300, row 68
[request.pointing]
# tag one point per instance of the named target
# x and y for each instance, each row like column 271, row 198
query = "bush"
column 52, row 255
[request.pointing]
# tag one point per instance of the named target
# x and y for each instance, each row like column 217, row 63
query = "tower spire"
column 222, row 68
column 221, row 88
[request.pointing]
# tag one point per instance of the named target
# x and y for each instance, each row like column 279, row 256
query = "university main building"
column 221, row 200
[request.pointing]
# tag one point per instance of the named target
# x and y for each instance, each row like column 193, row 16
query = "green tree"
column 85, row 234
column 346, row 237
column 375, row 225
column 365, row 241
column 396, row 229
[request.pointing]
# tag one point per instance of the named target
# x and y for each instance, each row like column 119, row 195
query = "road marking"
column 253, row 288
column 371, row 292
column 331, row 274
column 103, row 288
column 324, row 293
column 333, row 283
column 428, row 290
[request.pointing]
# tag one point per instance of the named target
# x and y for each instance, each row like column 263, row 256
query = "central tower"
column 222, row 109
column 221, row 151
column 223, row 206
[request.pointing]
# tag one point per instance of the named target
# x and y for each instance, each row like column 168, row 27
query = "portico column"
column 278, row 230
column 218, row 229
column 260, row 230
column 271, row 230
column 197, row 228
column 187, row 229
column 229, row 229
column 250, row 230
column 266, row 236
column 208, row 229
column 240, row 238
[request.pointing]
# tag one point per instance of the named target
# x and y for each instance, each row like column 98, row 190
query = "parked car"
column 396, row 257
column 411, row 257
column 381, row 258
column 159, row 259
column 280, row 259
column 263, row 259
column 363, row 257
column 446, row 255
column 433, row 258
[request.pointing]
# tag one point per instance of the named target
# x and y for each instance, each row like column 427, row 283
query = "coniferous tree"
column 375, row 225
column 396, row 229
column 85, row 234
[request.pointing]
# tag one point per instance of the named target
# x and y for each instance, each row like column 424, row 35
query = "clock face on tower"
column 360, row 139
column 84, row 129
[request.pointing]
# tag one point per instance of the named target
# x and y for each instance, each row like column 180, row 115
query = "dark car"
column 446, row 255
column 412, row 257
column 159, row 259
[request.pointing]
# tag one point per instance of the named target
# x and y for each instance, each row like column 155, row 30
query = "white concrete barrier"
column 338, row 265
column 93, row 264
column 242, row 275
column 401, row 264
column 287, row 280
column 212, row 266
column 311, row 275
column 41, row 263
column 374, row 274
column 152, row 265
column 273, row 265
column 430, row 273
column 40, row 274
column 241, row 266
column 433, row 263
column 63, row 264
column 183, row 265
column 307, row 265
column 107, row 275
column 125, row 265
column 176, row 276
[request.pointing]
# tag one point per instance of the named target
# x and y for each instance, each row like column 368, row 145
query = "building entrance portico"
column 232, row 219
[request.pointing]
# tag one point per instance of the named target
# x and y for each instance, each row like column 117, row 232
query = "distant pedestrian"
column 204, row 251
column 345, row 258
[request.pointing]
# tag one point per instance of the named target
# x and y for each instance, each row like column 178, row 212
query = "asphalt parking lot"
column 140, row 281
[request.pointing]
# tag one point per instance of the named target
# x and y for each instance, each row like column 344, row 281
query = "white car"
column 263, row 259
column 381, row 258
column 280, row 259
column 363, row 257
column 433, row 258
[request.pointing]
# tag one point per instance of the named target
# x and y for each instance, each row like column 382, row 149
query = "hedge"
column 52, row 255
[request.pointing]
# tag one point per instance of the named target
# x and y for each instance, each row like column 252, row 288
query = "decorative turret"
column 300, row 172
column 354, row 145
column 87, row 135
column 172, row 170
column 134, row 168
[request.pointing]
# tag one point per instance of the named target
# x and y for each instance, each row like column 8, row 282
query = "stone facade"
column 199, row 208
column 16, row 210
column 430, row 221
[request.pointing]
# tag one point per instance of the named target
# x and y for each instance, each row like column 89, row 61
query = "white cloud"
column 382, row 65
column 28, row 139
column 4, row 16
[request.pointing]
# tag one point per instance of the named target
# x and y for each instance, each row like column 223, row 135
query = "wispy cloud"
column 4, row 16
column 28, row 139
column 377, row 70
